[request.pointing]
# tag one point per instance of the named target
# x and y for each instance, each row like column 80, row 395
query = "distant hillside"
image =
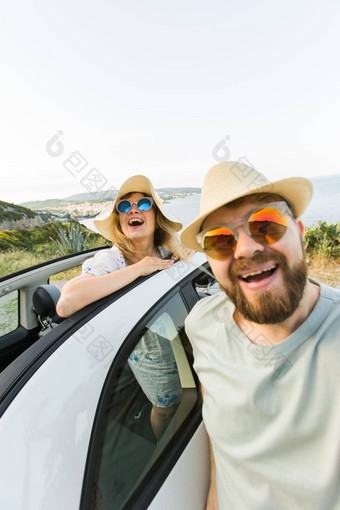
column 14, row 216
column 42, row 204
column 94, row 196
column 178, row 190
column 112, row 193
column 99, row 196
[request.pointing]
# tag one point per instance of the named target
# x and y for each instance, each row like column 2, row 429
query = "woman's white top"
column 107, row 261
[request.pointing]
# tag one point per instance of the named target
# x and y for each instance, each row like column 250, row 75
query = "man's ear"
column 301, row 227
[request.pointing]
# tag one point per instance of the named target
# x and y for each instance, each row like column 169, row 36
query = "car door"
column 148, row 424
column 53, row 396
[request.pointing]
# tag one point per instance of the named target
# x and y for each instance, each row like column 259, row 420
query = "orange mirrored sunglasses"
column 266, row 224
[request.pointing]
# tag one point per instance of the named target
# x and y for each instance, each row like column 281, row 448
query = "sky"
column 94, row 92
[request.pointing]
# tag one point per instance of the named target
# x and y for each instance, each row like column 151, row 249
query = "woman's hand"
column 149, row 265
column 85, row 289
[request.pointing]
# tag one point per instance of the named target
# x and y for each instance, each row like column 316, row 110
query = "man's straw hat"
column 139, row 184
column 230, row 180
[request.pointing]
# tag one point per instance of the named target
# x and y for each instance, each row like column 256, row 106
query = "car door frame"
column 144, row 494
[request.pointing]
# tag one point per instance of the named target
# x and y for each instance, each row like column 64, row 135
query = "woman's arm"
column 87, row 288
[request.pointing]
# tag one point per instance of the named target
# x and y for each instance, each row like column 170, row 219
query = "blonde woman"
column 144, row 238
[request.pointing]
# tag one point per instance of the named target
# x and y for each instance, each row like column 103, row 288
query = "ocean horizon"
column 324, row 206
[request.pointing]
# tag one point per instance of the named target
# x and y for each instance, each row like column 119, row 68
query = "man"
column 267, row 349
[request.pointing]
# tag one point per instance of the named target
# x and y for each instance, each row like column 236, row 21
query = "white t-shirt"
column 272, row 411
column 107, row 261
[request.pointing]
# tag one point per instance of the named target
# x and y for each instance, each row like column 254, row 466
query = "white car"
column 78, row 429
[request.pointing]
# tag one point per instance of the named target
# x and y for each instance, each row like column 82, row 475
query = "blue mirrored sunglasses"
column 143, row 204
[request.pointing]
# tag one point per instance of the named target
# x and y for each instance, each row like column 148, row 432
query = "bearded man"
column 266, row 349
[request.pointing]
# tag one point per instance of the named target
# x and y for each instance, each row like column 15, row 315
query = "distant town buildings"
column 88, row 209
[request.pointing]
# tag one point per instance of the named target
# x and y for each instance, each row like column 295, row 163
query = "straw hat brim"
column 298, row 191
column 139, row 184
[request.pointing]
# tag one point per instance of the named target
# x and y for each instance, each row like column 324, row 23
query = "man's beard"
column 269, row 307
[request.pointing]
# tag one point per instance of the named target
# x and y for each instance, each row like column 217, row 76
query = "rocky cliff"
column 16, row 217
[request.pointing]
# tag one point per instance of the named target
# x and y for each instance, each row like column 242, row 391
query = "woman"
column 144, row 241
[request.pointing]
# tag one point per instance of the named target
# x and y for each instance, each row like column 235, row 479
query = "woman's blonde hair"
column 165, row 234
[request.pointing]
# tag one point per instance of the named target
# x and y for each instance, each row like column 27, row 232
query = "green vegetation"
column 70, row 238
column 20, row 249
column 8, row 313
column 13, row 212
column 32, row 238
column 323, row 240
column 44, row 204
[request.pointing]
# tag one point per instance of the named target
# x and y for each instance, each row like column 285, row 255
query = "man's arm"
column 212, row 500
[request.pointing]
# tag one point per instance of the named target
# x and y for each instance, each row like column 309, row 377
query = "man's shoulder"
column 326, row 313
column 327, row 292
column 206, row 306
column 330, row 292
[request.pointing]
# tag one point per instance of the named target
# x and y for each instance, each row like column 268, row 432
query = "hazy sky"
column 154, row 86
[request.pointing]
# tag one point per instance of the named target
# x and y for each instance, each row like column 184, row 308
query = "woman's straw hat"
column 139, row 184
column 230, row 180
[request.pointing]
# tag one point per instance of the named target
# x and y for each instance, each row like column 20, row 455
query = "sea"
column 324, row 206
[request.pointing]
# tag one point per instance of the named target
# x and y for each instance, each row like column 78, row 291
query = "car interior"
column 34, row 302
column 45, row 299
column 123, row 421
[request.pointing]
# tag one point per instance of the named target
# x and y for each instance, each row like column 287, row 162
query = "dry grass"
column 15, row 260
column 59, row 279
column 66, row 275
column 325, row 270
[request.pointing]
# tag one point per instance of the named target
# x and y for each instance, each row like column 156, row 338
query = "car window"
column 144, row 407
column 206, row 285
column 59, row 279
column 9, row 312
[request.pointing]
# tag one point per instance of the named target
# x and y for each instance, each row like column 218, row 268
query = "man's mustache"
column 257, row 259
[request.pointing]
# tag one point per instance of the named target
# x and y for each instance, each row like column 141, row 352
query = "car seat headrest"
column 45, row 299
